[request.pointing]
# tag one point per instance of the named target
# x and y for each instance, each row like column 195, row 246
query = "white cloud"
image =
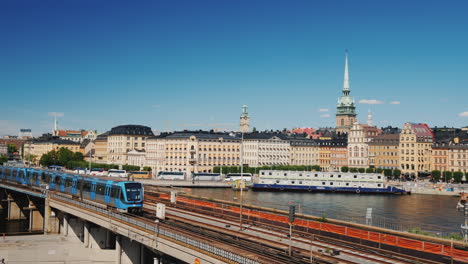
column 325, row 115
column 463, row 114
column 370, row 101
column 323, row 110
column 395, row 102
column 56, row 114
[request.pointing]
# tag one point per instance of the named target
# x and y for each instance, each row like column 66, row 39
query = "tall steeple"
column 345, row 110
column 346, row 76
column 369, row 118
column 244, row 120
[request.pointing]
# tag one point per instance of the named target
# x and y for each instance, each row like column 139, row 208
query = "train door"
column 73, row 187
column 107, row 193
column 92, row 194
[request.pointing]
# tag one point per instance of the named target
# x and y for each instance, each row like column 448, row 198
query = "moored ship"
column 317, row 181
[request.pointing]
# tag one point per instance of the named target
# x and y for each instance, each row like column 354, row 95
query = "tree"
column 378, row 170
column 3, row 159
column 447, row 176
column 387, row 172
column 353, row 170
column 396, row 172
column 458, row 176
column 361, row 170
column 344, row 169
column 369, row 170
column 254, row 130
column 436, row 175
column 12, row 148
column 77, row 156
column 146, row 168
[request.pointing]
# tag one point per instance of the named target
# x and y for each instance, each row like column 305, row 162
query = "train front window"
column 133, row 191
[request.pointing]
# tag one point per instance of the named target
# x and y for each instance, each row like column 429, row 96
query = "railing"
column 161, row 231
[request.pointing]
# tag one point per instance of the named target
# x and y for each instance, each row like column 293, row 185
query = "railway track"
column 353, row 249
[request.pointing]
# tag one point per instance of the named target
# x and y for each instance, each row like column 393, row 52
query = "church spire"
column 346, row 76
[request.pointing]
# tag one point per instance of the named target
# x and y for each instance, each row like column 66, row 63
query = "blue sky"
column 106, row 63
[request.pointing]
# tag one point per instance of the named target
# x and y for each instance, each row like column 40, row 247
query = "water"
column 429, row 212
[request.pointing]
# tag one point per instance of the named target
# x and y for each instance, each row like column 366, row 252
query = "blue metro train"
column 123, row 195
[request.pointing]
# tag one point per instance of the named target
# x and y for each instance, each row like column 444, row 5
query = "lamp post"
column 242, row 179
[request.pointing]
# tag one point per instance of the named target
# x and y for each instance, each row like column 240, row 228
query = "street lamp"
column 242, row 178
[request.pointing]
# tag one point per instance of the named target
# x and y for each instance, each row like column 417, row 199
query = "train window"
column 68, row 182
column 115, row 192
column 100, row 188
column 57, row 179
column 87, row 186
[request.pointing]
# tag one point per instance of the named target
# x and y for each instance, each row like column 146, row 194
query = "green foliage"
column 447, row 175
column 436, row 175
column 344, row 169
column 3, row 159
column 12, row 148
column 396, row 173
column 130, row 168
column 454, row 236
column 146, row 168
column 369, row 170
column 458, row 176
column 388, row 172
column 361, row 170
column 353, row 170
column 323, row 219
column 61, row 157
column 378, row 170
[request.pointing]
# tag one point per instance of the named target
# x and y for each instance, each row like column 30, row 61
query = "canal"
column 432, row 213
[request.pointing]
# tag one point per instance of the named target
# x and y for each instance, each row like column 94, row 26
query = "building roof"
column 54, row 140
column 200, row 134
column 70, row 133
column 422, row 130
column 103, row 136
column 307, row 130
column 265, row 135
column 386, row 140
column 133, row 130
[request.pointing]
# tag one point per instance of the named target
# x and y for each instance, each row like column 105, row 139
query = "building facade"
column 137, row 158
column 415, row 149
column 123, row 139
column 266, row 149
column 440, row 156
column 40, row 147
column 304, row 152
column 345, row 110
column 100, row 148
column 192, row 151
column 383, row 151
column 458, row 157
column 358, row 150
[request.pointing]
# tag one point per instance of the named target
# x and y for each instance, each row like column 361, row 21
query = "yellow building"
column 304, row 152
column 457, row 157
column 415, row 149
column 192, row 151
column 439, row 156
column 42, row 146
column 383, row 151
column 100, row 148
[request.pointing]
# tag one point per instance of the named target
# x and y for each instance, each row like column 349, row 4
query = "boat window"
column 308, row 175
column 331, row 183
column 378, row 185
column 379, row 177
column 355, row 176
column 339, row 176
column 285, row 174
column 263, row 173
column 347, row 184
column 316, row 175
column 269, row 173
column 277, row 181
column 331, row 176
column 300, row 174
column 323, row 183
column 292, row 182
column 300, row 182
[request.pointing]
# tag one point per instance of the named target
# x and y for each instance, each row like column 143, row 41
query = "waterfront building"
column 415, row 149
column 458, row 156
column 338, row 155
column 324, row 154
column 18, row 143
column 41, row 146
column 383, row 151
column 439, row 156
column 308, row 131
column 304, row 151
column 358, row 150
column 345, row 110
column 192, row 151
column 137, row 158
column 75, row 135
column 266, row 149
column 244, row 120
column 123, row 139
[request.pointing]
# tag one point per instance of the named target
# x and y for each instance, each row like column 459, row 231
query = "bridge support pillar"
column 65, row 225
column 118, row 250
column 86, row 233
column 14, row 209
column 36, row 220
column 47, row 220
column 107, row 242
column 142, row 254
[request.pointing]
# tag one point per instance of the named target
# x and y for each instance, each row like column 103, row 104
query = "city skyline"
column 198, row 63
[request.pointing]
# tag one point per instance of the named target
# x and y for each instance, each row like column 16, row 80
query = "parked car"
column 117, row 173
column 80, row 170
column 98, row 172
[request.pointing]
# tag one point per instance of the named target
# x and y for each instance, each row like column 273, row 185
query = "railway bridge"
column 198, row 230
